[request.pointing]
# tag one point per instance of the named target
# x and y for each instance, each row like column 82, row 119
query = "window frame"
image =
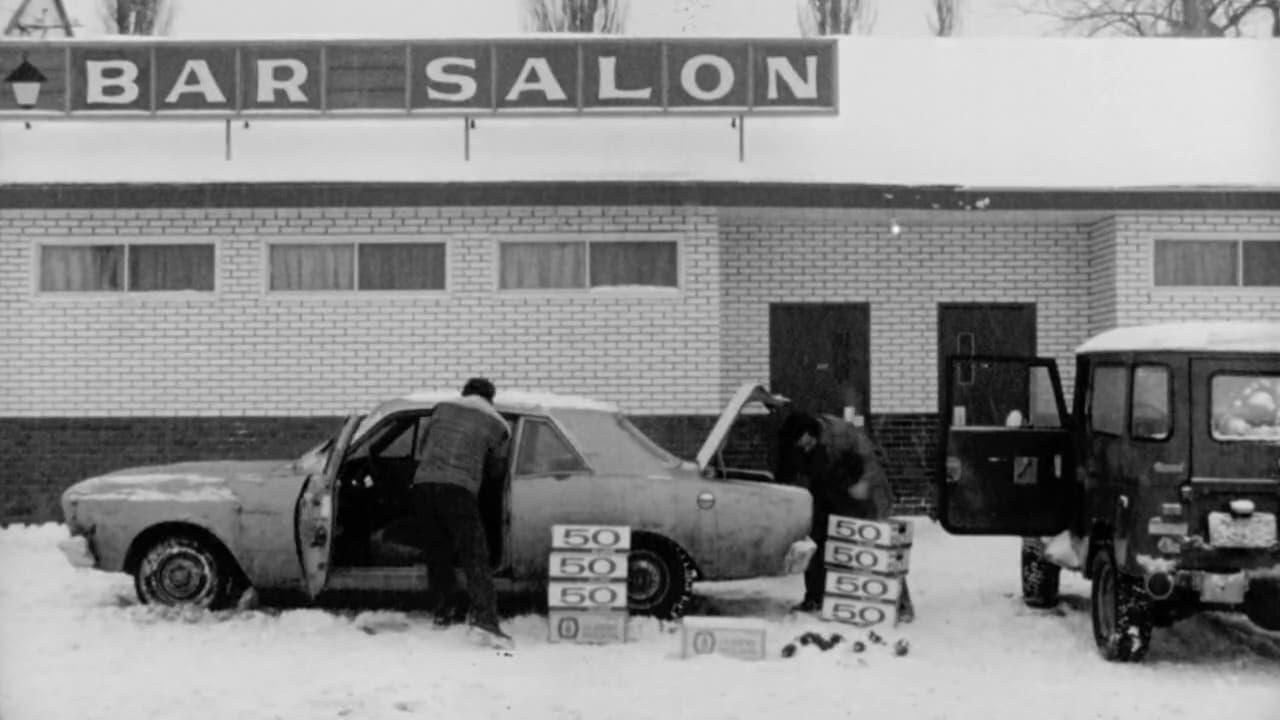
column 38, row 243
column 1213, row 435
column 1171, row 422
column 355, row 241
column 517, row 444
column 1124, row 402
column 1239, row 238
column 587, row 238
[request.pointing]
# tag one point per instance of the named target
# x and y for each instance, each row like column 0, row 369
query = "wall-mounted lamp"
column 894, row 228
column 24, row 82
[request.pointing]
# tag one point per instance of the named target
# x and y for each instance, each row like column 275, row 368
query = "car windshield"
column 609, row 440
column 1246, row 407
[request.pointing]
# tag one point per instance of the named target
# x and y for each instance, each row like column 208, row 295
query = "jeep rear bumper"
column 1213, row 588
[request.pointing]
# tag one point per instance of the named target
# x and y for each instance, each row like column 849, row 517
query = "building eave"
column 653, row 193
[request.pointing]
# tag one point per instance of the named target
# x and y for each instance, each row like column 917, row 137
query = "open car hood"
column 747, row 394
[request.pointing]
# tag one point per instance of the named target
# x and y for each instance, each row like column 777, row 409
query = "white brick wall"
column 849, row 256
column 1102, row 275
column 1139, row 301
column 243, row 351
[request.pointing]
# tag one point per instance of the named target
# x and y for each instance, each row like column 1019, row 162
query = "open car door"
column 1014, row 478
column 317, row 509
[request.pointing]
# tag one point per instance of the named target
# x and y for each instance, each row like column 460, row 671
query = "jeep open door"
column 317, row 510
column 1009, row 479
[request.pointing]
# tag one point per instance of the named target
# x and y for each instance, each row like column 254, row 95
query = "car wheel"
column 183, row 570
column 1121, row 612
column 1040, row 578
column 659, row 577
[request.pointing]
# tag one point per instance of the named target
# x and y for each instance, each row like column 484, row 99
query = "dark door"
column 998, row 480
column 820, row 357
column 984, row 393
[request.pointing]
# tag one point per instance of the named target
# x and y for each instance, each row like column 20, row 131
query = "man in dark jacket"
column 838, row 462
column 464, row 442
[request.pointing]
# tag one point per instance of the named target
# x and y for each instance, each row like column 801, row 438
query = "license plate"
column 587, row 595
column 886, row 533
column 588, row 566
column 576, row 626
column 1218, row 588
column 860, row 613
column 1256, row 531
column 742, row 638
column 867, row 559
column 592, row 538
column 863, row 585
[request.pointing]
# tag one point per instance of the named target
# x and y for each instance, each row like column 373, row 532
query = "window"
column 1107, row 397
column 1245, row 407
column 584, row 264
column 544, row 451
column 1217, row 263
column 1150, row 416
column 356, row 266
column 127, row 267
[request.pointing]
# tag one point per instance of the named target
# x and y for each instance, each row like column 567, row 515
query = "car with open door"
column 1161, row 486
column 336, row 518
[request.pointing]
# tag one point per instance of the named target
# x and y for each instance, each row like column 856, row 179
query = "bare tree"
column 944, row 17
column 1159, row 18
column 690, row 10
column 607, row 17
column 137, row 17
column 836, row 17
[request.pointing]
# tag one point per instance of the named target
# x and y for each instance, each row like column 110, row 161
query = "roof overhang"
column 623, row 193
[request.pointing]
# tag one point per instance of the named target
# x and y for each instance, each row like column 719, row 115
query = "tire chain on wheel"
column 1040, row 578
column 685, row 582
column 1131, row 636
column 1133, row 620
column 227, row 578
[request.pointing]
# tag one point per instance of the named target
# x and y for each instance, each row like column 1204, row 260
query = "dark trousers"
column 815, row 574
column 454, row 536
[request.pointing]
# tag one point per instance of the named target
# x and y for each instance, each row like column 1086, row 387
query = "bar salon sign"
column 169, row 79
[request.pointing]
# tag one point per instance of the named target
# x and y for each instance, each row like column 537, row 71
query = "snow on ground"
column 75, row 644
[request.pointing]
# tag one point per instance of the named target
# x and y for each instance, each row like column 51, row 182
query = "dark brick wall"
column 41, row 457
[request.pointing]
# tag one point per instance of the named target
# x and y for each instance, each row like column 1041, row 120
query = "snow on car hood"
column 190, row 482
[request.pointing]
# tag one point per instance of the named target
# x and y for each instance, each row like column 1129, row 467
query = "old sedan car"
column 203, row 533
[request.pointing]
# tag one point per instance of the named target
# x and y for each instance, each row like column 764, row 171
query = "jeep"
column 1161, row 485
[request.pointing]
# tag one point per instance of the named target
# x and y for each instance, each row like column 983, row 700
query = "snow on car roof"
column 1224, row 336
column 520, row 399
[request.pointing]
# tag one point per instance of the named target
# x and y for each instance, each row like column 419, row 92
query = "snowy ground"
column 75, row 644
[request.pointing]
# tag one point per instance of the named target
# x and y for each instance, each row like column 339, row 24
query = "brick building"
column 160, row 301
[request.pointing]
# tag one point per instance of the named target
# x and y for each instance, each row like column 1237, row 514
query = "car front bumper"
column 77, row 551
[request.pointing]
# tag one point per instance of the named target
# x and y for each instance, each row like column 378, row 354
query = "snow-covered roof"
column 1225, row 336
column 969, row 112
column 518, row 400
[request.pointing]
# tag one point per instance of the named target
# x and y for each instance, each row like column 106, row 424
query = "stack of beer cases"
column 587, row 583
column 866, row 564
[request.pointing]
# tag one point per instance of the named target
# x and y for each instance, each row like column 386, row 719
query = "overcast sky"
column 434, row 18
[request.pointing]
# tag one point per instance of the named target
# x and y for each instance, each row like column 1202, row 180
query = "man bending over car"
column 464, row 441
